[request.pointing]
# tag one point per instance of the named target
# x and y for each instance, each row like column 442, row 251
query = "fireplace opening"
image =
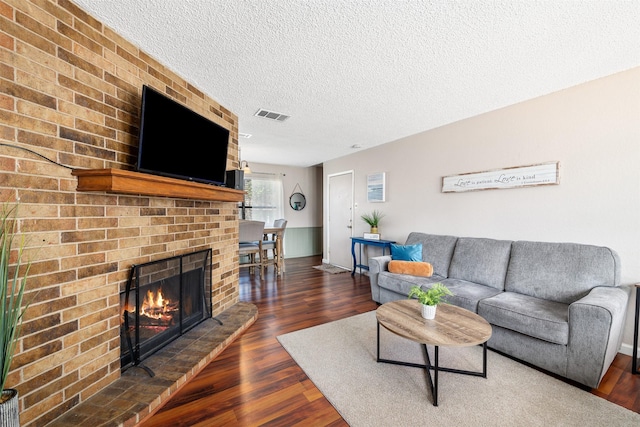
column 162, row 300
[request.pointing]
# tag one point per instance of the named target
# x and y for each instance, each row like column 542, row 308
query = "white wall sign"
column 520, row 176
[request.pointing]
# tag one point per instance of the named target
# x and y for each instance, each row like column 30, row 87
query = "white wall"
column 593, row 130
column 309, row 181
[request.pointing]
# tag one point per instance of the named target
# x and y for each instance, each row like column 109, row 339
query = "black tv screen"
column 179, row 143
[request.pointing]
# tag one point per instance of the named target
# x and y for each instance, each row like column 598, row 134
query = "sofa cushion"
column 561, row 272
column 402, row 283
column 539, row 318
column 414, row 268
column 436, row 250
column 467, row 294
column 406, row 252
column 482, row 261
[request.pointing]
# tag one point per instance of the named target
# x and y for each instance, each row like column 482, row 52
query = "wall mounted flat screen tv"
column 179, row 143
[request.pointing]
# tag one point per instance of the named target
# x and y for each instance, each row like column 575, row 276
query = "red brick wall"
column 70, row 90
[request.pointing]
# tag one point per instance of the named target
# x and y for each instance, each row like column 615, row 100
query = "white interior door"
column 340, row 223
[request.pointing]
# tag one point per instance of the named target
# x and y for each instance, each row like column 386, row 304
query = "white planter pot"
column 429, row 311
column 9, row 414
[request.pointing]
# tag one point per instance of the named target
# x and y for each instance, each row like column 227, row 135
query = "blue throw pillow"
column 406, row 252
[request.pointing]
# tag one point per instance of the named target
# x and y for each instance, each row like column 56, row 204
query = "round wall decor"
column 297, row 201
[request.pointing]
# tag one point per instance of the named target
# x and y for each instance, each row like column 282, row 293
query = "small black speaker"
column 235, row 179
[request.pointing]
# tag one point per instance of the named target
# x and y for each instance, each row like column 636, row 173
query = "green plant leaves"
column 11, row 290
column 432, row 296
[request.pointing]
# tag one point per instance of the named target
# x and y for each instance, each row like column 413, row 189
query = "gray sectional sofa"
column 558, row 306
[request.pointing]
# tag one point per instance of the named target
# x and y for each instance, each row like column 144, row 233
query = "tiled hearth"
column 136, row 395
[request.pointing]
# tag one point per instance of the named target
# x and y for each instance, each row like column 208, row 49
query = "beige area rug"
column 340, row 358
column 332, row 269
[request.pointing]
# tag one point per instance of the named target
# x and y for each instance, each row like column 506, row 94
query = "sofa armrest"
column 376, row 266
column 596, row 322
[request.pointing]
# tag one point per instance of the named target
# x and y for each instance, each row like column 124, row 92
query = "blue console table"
column 384, row 244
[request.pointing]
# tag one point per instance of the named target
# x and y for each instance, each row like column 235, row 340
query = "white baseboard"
column 627, row 349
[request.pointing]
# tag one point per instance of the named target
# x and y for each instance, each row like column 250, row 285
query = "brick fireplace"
column 70, row 91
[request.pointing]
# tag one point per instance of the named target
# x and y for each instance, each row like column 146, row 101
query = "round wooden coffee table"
column 452, row 327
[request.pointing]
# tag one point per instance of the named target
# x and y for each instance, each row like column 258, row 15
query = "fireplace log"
column 164, row 320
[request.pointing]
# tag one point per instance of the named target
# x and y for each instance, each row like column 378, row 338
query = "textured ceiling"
column 367, row 72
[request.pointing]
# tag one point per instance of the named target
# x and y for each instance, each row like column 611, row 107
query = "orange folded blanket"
column 413, row 268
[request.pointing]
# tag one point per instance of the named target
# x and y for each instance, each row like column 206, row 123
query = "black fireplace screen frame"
column 196, row 263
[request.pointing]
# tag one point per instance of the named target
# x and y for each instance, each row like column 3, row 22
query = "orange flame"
column 154, row 305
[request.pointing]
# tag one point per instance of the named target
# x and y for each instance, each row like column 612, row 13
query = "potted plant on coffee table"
column 430, row 298
column 11, row 310
column 373, row 219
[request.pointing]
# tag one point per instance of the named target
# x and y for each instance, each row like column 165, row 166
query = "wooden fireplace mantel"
column 129, row 182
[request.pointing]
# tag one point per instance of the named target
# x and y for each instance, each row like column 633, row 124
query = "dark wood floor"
column 254, row 382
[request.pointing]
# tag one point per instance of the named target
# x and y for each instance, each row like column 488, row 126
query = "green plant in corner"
column 432, row 296
column 373, row 219
column 12, row 288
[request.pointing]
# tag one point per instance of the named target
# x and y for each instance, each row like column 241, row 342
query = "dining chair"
column 273, row 241
column 251, row 234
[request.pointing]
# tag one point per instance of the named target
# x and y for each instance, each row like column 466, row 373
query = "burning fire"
column 155, row 306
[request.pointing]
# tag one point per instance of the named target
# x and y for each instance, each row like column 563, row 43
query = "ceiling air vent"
column 271, row 115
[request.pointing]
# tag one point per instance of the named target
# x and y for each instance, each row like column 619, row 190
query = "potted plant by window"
column 11, row 311
column 430, row 298
column 373, row 219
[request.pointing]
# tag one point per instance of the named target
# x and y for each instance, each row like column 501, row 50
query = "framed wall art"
column 375, row 187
